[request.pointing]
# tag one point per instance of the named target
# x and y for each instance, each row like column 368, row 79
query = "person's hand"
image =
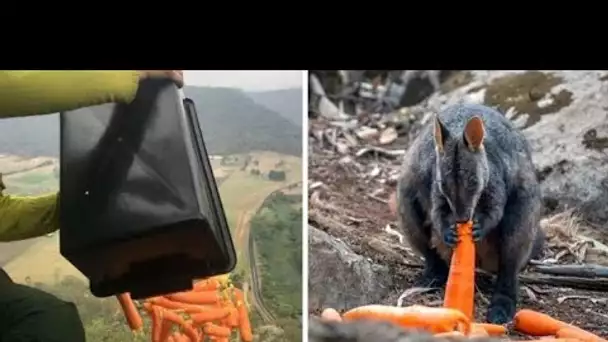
column 176, row 76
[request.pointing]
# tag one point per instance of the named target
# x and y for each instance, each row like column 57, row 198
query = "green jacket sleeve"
column 27, row 217
column 24, row 93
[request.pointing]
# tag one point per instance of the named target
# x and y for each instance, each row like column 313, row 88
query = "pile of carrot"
column 213, row 309
column 456, row 317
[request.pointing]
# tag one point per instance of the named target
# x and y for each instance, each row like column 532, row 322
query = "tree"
column 276, row 175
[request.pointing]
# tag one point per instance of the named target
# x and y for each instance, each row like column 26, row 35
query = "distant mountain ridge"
column 287, row 102
column 231, row 122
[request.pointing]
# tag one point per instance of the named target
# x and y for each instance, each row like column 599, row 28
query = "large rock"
column 564, row 116
column 339, row 278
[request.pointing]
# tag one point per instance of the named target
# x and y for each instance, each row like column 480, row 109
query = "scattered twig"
column 592, row 299
column 393, row 232
column 378, row 150
column 381, row 200
column 530, row 293
column 585, row 271
column 595, row 284
column 327, row 223
column 412, row 291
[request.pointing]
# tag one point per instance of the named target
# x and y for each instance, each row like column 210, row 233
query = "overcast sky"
column 250, row 80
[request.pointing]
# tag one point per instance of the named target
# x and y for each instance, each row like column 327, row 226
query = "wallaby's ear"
column 440, row 133
column 474, row 133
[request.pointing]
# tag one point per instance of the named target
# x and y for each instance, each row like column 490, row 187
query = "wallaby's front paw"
column 478, row 231
column 450, row 235
column 501, row 310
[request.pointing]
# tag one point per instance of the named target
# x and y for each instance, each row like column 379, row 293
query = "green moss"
column 524, row 91
column 456, row 80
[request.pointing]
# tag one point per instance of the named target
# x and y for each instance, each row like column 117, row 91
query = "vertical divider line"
column 305, row 205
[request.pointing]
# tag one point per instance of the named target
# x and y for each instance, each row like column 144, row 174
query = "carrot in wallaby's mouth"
column 460, row 287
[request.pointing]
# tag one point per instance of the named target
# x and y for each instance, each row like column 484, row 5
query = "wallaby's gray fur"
column 471, row 163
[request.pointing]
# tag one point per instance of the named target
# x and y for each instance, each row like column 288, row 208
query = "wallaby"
column 470, row 163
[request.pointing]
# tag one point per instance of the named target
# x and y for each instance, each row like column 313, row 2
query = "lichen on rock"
column 531, row 93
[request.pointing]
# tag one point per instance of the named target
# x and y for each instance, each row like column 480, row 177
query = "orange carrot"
column 460, row 287
column 211, row 329
column 179, row 337
column 200, row 298
column 238, row 294
column 187, row 329
column 478, row 331
column 210, row 315
column 551, row 339
column 157, row 321
column 433, row 320
column 449, row 334
column 330, row 314
column 244, row 323
column 233, row 317
column 172, row 305
column 491, row 329
column 165, row 331
column 170, row 339
column 130, row 311
column 206, row 285
column 578, row 333
column 536, row 324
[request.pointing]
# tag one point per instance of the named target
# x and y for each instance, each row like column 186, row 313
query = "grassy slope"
column 277, row 230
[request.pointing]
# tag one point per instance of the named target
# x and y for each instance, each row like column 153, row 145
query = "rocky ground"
column 356, row 255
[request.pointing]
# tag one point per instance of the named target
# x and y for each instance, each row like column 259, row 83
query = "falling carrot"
column 200, row 298
column 206, row 285
column 233, row 317
column 460, row 287
column 187, row 329
column 213, row 309
column 210, row 315
column 211, row 329
column 130, row 311
column 433, row 320
column 156, row 321
column 244, row 323
column 165, row 331
column 179, row 337
column 166, row 303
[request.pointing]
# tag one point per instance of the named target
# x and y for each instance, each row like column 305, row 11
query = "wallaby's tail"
column 539, row 245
